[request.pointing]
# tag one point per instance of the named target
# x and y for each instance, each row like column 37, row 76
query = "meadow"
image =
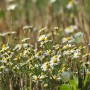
column 44, row 44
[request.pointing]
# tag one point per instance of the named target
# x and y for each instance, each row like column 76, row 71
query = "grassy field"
column 44, row 44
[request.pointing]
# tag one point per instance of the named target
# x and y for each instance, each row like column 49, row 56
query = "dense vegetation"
column 44, row 44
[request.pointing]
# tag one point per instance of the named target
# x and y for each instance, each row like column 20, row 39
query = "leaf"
column 2, row 14
column 65, row 87
column 75, row 79
column 73, row 83
column 85, row 81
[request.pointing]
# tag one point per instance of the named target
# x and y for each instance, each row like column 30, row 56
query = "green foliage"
column 41, row 5
column 65, row 87
column 2, row 14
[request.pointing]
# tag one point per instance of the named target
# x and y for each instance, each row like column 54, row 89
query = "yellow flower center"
column 54, row 61
column 55, row 77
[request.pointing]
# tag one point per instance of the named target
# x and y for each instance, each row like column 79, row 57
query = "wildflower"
column 4, row 48
column 55, row 77
column 71, row 29
column 11, row 33
column 66, row 39
column 72, row 51
column 43, row 76
column 25, row 39
column 70, row 4
column 43, row 29
column 38, row 54
column 45, row 85
column 16, row 58
column 63, row 69
column 3, row 34
column 2, row 67
column 67, row 52
column 25, row 45
column 57, row 46
column 12, row 7
column 18, row 47
column 55, row 60
column 45, row 66
column 27, row 27
column 43, row 38
column 48, row 52
column 67, row 46
column 21, row 54
column 76, row 54
column 36, row 78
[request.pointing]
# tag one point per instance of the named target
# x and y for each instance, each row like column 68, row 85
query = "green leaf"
column 2, row 14
column 85, row 81
column 65, row 87
column 73, row 83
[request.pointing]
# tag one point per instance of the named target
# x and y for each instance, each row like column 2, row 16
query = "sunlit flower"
column 43, row 76
column 18, row 47
column 25, row 45
column 12, row 7
column 4, row 48
column 38, row 54
column 45, row 66
column 70, row 4
column 43, row 38
column 55, row 60
column 77, row 54
column 57, row 46
column 68, row 39
column 25, row 39
column 71, row 29
column 55, row 77
column 67, row 52
column 67, row 46
column 48, row 52
column 36, row 78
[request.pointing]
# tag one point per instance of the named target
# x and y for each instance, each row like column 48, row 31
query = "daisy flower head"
column 4, row 48
column 77, row 53
column 67, row 46
column 48, row 52
column 38, row 54
column 71, row 29
column 43, row 38
column 45, row 66
column 55, row 60
column 36, row 78
column 68, row 39
column 70, row 4
column 67, row 52
column 12, row 7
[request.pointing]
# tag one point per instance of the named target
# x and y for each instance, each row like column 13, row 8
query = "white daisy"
column 71, row 29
